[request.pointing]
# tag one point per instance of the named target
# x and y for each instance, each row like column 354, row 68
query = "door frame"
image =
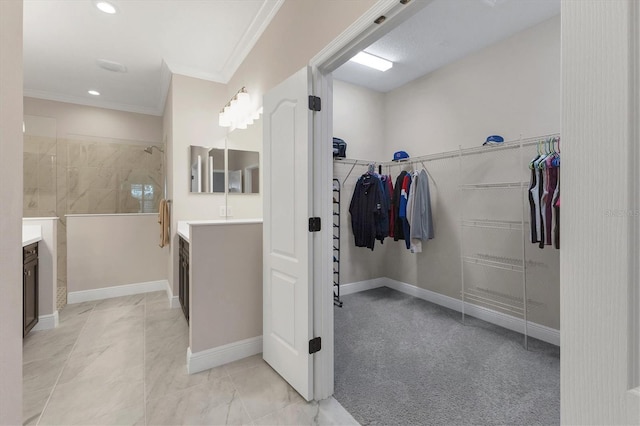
column 359, row 35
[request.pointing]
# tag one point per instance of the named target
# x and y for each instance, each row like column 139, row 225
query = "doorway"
column 434, row 147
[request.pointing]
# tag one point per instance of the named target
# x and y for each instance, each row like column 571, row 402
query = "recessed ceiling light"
column 106, row 7
column 372, row 61
column 94, row 92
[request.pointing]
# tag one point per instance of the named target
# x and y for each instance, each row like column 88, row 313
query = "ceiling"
column 206, row 39
column 441, row 33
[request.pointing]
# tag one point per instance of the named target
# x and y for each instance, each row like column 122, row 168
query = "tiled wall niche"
column 85, row 175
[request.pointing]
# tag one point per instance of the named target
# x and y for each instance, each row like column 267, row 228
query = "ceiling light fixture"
column 237, row 113
column 111, row 66
column 372, row 61
column 94, row 92
column 106, row 7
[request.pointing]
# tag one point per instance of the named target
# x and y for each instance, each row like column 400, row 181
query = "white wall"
column 511, row 88
column 11, row 212
column 437, row 113
column 112, row 250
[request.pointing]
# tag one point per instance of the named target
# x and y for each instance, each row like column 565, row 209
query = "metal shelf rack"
column 336, row 243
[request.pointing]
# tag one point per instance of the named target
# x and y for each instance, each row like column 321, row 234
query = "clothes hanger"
column 541, row 155
column 556, row 160
column 532, row 164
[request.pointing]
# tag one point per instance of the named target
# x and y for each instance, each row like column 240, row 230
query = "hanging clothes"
column 392, row 213
column 382, row 220
column 402, row 211
column 556, row 213
column 398, row 228
column 422, row 218
column 365, row 210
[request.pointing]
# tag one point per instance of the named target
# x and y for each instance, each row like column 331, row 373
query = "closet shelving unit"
column 485, row 296
column 478, row 296
column 518, row 306
column 336, row 243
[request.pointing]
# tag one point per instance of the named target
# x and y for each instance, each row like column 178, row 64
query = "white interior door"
column 287, row 244
column 600, row 243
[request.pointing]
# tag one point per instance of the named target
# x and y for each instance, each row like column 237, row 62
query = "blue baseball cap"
column 493, row 140
column 400, row 155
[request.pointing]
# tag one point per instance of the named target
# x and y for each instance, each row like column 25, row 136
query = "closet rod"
column 514, row 144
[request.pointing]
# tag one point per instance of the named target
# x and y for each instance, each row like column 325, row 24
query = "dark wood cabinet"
column 29, row 288
column 183, row 292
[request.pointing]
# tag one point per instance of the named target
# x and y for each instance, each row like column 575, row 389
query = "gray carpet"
column 400, row 360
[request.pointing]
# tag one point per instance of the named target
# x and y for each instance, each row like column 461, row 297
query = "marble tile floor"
column 122, row 361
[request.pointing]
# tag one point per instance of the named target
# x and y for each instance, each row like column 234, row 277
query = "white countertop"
column 31, row 234
column 184, row 226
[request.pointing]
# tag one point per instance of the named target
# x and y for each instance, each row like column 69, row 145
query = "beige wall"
column 192, row 105
column 511, row 88
column 112, row 250
column 11, row 212
column 226, row 284
column 358, row 118
column 190, row 119
column 300, row 30
column 439, row 112
column 85, row 120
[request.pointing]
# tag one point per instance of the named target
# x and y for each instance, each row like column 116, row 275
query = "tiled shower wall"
column 88, row 176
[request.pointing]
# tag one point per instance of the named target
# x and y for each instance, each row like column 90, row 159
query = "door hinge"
column 315, row 345
column 314, row 224
column 315, row 104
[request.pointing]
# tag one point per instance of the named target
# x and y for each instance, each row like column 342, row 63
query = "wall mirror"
column 244, row 172
column 206, row 168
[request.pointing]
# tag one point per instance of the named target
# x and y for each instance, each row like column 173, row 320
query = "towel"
column 163, row 220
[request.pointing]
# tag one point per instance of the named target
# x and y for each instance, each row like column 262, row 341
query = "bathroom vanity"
column 29, row 287
column 183, row 277
column 31, row 235
column 220, row 278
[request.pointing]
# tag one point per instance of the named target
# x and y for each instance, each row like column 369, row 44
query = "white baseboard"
column 116, row 291
column 541, row 332
column 221, row 355
column 174, row 301
column 359, row 286
column 46, row 322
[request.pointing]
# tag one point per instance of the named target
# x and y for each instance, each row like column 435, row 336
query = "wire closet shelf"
column 513, row 189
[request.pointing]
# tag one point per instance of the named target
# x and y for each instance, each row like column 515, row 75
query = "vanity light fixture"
column 94, row 92
column 237, row 113
column 372, row 61
column 106, row 7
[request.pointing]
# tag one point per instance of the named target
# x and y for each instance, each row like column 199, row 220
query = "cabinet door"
column 30, row 296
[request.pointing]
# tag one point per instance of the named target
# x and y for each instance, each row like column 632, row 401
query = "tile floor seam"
column 46, row 404
column 244, row 407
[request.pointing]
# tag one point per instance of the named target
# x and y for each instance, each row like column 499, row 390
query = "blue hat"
column 400, row 155
column 493, row 140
